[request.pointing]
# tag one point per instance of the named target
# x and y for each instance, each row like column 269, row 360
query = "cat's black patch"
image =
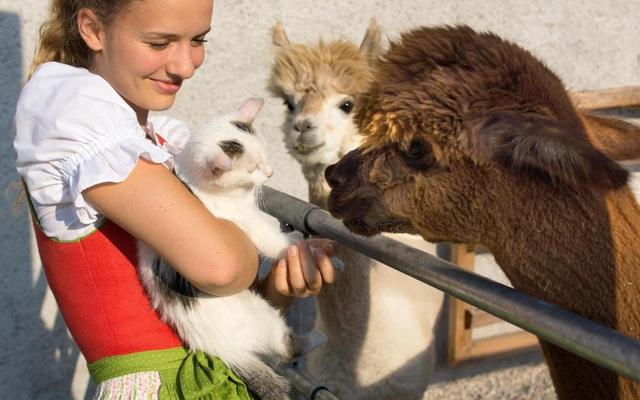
column 243, row 126
column 231, row 147
column 173, row 286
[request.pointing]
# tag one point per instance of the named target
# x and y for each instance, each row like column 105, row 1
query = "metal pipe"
column 304, row 385
column 597, row 343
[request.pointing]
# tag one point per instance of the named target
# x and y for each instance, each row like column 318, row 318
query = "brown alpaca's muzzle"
column 353, row 198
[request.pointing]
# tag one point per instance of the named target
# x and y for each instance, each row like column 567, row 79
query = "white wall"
column 590, row 44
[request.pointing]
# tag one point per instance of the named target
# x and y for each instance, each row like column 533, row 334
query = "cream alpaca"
column 367, row 356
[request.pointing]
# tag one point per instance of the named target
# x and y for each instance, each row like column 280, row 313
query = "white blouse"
column 74, row 131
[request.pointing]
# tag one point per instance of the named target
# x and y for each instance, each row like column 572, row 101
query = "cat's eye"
column 290, row 106
column 346, row 106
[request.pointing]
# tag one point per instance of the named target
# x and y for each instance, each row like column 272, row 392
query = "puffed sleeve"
column 170, row 133
column 73, row 131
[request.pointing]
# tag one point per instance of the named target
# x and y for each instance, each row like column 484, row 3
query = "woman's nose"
column 182, row 63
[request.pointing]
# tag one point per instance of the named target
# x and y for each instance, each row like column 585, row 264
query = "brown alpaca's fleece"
column 469, row 138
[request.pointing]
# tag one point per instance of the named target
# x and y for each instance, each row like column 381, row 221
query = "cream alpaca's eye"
column 289, row 105
column 347, row 106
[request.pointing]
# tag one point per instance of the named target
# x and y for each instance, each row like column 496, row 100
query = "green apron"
column 184, row 375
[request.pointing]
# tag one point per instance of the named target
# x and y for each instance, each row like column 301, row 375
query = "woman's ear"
column 90, row 29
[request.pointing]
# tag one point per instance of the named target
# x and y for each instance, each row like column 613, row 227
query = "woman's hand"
column 307, row 267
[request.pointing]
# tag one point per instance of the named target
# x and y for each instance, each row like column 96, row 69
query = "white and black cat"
column 223, row 163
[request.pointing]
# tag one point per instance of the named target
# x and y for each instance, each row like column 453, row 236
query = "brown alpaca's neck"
column 568, row 247
column 580, row 253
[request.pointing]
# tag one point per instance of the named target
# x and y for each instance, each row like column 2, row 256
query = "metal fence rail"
column 597, row 343
column 304, row 385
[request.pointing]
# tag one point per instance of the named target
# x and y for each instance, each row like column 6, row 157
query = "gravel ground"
column 521, row 377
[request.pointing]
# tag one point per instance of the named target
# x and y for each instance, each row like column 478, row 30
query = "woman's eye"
column 158, row 46
column 415, row 150
column 289, row 105
column 199, row 41
column 346, row 106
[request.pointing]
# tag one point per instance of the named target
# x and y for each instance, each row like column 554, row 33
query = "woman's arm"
column 153, row 205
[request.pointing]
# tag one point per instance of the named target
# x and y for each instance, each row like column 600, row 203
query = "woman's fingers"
column 325, row 244
column 312, row 277
column 307, row 266
column 282, row 283
column 294, row 269
column 325, row 266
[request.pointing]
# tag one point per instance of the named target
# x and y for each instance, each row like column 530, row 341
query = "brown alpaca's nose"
column 332, row 179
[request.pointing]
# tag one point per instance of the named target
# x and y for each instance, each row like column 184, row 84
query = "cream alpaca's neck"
column 318, row 188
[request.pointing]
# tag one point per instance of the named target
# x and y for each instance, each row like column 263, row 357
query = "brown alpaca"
column 468, row 138
column 373, row 350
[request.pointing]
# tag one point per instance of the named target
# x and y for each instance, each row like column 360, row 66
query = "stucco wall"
column 589, row 43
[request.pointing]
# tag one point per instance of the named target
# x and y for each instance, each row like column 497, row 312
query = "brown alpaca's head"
column 318, row 85
column 455, row 125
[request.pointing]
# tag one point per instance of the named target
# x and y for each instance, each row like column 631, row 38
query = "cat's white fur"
column 242, row 329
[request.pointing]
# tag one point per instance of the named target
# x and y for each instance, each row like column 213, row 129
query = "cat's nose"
column 303, row 126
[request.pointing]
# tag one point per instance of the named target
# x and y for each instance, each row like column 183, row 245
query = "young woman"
column 98, row 182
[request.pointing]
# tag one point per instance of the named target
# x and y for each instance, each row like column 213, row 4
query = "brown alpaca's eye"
column 290, row 106
column 419, row 156
column 346, row 107
column 416, row 149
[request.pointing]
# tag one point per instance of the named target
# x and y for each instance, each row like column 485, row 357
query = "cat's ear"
column 220, row 163
column 279, row 36
column 249, row 110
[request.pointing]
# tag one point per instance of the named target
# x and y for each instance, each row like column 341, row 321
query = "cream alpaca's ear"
column 249, row 110
column 372, row 42
column 278, row 36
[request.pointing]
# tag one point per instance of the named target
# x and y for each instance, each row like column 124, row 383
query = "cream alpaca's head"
column 318, row 85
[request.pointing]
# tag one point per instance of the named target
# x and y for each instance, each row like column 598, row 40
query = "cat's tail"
column 263, row 381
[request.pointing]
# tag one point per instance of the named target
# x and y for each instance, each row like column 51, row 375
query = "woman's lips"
column 168, row 87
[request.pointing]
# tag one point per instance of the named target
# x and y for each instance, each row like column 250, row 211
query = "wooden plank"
column 625, row 96
column 463, row 318
column 510, row 342
column 476, row 318
column 459, row 343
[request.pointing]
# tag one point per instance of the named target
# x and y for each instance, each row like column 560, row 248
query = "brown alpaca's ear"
column 279, row 36
column 536, row 145
column 617, row 139
column 372, row 43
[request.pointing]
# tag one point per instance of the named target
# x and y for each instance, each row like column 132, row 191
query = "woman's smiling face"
column 147, row 51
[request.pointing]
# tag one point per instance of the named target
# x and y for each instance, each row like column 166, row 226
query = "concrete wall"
column 590, row 44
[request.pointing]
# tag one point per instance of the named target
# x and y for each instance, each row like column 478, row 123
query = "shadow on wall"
column 38, row 360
